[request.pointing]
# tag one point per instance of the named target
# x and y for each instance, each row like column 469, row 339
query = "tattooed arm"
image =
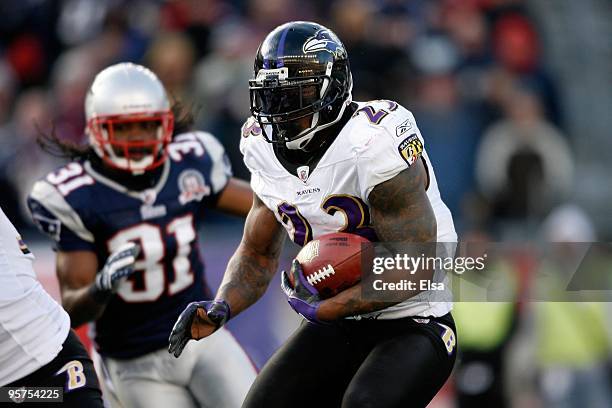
column 254, row 263
column 401, row 212
column 246, row 278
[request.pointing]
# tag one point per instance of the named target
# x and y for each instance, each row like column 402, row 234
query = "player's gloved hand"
column 302, row 296
column 198, row 320
column 119, row 265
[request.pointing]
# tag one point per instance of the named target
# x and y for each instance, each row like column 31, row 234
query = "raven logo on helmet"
column 323, row 40
column 301, row 85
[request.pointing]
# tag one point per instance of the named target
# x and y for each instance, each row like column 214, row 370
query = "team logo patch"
column 448, row 337
column 410, row 149
column 192, row 186
column 324, row 40
column 22, row 246
column 303, row 173
column 251, row 128
column 403, row 127
column 75, row 375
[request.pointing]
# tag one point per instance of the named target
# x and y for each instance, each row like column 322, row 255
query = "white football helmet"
column 124, row 93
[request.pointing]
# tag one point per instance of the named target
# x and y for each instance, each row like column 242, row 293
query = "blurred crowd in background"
column 511, row 96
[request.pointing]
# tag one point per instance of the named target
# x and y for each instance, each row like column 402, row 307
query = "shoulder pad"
column 203, row 151
column 50, row 210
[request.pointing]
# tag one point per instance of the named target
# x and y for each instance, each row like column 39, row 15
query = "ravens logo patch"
column 410, row 149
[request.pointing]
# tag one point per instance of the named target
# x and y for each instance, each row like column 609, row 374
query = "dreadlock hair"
column 58, row 147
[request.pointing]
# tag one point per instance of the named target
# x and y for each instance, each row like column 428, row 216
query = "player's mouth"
column 134, row 153
column 139, row 153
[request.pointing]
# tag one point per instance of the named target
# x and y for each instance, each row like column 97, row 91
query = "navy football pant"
column 368, row 363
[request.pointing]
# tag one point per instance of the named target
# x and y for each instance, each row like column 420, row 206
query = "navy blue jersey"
column 83, row 210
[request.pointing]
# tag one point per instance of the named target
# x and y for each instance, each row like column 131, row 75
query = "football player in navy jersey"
column 322, row 163
column 124, row 216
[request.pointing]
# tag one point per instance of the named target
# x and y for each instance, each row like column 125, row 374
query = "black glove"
column 218, row 311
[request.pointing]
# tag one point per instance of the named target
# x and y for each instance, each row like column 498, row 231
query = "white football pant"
column 214, row 373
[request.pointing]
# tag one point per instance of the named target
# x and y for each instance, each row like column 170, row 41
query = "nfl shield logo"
column 302, row 172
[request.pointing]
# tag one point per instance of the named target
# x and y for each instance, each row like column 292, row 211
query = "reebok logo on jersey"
column 403, row 127
column 410, row 149
column 22, row 246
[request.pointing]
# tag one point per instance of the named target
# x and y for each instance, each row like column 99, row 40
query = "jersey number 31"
column 151, row 241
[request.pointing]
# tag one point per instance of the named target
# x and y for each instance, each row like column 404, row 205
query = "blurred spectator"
column 72, row 75
column 126, row 32
column 221, row 79
column 485, row 312
column 451, row 127
column 172, row 57
column 469, row 31
column 517, row 48
column 221, row 85
column 8, row 85
column 27, row 57
column 196, row 19
column 263, row 15
column 352, row 20
column 524, row 165
column 394, row 24
column 21, row 161
column 572, row 343
column 81, row 20
column 28, row 38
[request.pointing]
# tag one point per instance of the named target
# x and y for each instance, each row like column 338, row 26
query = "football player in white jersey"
column 321, row 163
column 124, row 216
column 37, row 347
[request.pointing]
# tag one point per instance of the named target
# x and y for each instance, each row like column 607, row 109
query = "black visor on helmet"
column 280, row 103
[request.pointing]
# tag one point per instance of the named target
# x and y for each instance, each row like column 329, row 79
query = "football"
column 332, row 263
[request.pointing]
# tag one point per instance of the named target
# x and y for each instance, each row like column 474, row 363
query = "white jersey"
column 33, row 326
column 377, row 143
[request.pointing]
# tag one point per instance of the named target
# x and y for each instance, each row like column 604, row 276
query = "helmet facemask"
column 299, row 91
column 137, row 154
